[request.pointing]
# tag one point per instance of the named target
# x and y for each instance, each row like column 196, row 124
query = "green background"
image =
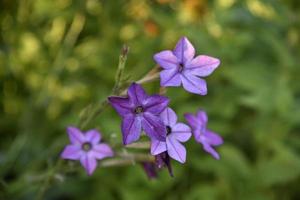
column 58, row 56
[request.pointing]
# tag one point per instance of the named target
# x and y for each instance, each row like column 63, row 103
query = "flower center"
column 180, row 67
column 138, row 110
column 86, row 146
column 169, row 130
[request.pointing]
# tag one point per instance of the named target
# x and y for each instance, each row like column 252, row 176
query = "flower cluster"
column 151, row 114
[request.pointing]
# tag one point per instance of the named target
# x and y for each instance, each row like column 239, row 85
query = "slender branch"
column 91, row 112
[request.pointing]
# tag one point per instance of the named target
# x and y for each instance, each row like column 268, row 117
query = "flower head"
column 202, row 135
column 176, row 133
column 180, row 66
column 86, row 148
column 140, row 112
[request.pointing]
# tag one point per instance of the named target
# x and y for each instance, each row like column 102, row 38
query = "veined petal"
column 131, row 129
column 166, row 59
column 72, row 152
column 181, row 132
column 158, row 147
column 211, row 151
column 193, row 84
column 202, row 65
column 213, row 138
column 89, row 163
column 102, row 150
column 176, row 150
column 75, row 135
column 170, row 77
column 184, row 50
column 93, row 136
column 136, row 94
column 121, row 105
column 155, row 104
column 169, row 117
column 154, row 127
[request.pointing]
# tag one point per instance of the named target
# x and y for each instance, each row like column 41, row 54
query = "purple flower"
column 140, row 112
column 176, row 133
column 202, row 135
column 86, row 148
column 180, row 66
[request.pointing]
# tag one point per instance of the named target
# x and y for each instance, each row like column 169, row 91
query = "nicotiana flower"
column 176, row 133
column 202, row 135
column 86, row 148
column 140, row 112
column 180, row 66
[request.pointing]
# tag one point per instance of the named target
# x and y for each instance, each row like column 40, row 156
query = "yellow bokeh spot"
column 56, row 33
column 94, row 7
column 259, row 9
column 30, row 47
column 128, row 32
column 225, row 4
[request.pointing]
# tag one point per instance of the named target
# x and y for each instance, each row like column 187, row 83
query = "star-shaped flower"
column 176, row 133
column 180, row 66
column 140, row 112
column 86, row 148
column 202, row 135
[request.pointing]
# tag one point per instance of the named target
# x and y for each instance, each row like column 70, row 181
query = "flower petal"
column 213, row 138
column 176, row 150
column 170, row 77
column 154, row 127
column 131, row 129
column 192, row 120
column 158, row 147
column 169, row 117
column 166, row 59
column 75, row 135
column 93, row 136
column 211, row 151
column 89, row 163
column 184, row 50
column 202, row 65
column 121, row 105
column 72, row 152
column 136, row 94
column 181, row 132
column 193, row 84
column 155, row 104
column 102, row 150
column 202, row 117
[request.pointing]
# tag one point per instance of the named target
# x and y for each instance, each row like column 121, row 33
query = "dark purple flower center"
column 87, row 146
column 138, row 110
column 169, row 130
column 180, row 67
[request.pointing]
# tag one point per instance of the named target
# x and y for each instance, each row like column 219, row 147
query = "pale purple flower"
column 176, row 133
column 86, row 148
column 180, row 66
column 140, row 112
column 202, row 135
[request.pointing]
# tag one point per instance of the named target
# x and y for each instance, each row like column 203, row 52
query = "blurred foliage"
column 58, row 56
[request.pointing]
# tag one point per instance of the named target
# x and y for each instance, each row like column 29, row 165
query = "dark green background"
column 58, row 56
